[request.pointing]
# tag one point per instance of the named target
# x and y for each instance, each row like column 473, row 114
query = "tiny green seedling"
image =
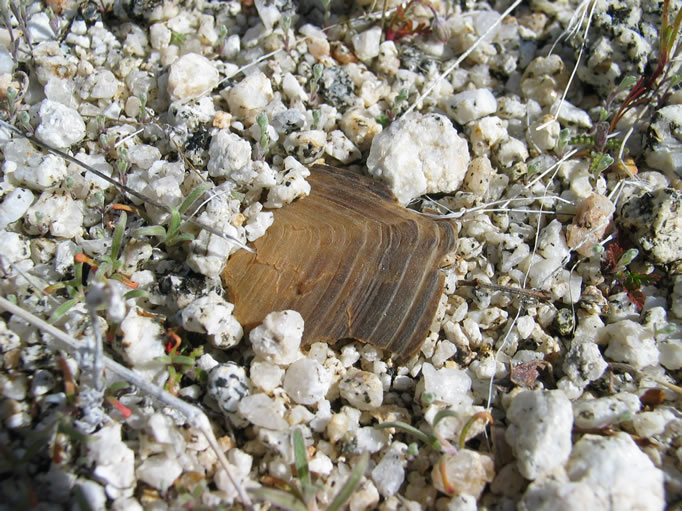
column 433, row 440
column 303, row 496
column 171, row 235
column 617, row 261
column 107, row 267
column 263, row 145
column 315, row 81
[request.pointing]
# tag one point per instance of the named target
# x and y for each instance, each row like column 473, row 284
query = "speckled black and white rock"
column 654, row 221
column 228, row 385
column 664, row 138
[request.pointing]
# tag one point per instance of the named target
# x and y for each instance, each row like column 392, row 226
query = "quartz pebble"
column 159, row 471
column 114, row 461
column 252, row 93
column 389, row 473
column 670, row 352
column 665, row 151
column 540, row 431
column 419, row 154
column 56, row 212
column 306, row 381
column 654, row 223
column 228, row 153
column 14, row 205
column 584, row 363
column 362, row 390
column 604, row 411
column 266, row 376
column 618, row 473
column 191, row 76
column 447, row 385
column 228, row 385
column 278, row 338
column 212, row 315
column 142, row 345
column 470, row 105
column 592, row 219
column 262, row 411
column 366, row 44
column 629, row 342
column 467, row 473
column 60, row 126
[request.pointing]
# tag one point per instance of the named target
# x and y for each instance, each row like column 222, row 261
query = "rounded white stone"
column 191, row 76
column 470, row 105
column 14, row 205
column 306, row 381
column 60, row 126
column 362, row 389
column 278, row 338
column 366, row 43
column 467, row 473
column 228, row 153
column 600, row 412
column 262, row 411
column 419, row 154
column 618, row 472
column 540, row 431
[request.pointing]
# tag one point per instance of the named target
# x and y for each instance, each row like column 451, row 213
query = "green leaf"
column 627, row 83
column 117, row 238
column 186, row 236
column 628, row 257
column 119, row 385
column 443, row 414
column 63, row 309
column 302, row 472
column 351, row 483
column 152, row 230
column 279, row 498
column 383, row 120
column 71, row 432
column 174, row 224
column 135, row 293
column 600, row 162
column 197, row 192
column 183, row 360
column 407, row 429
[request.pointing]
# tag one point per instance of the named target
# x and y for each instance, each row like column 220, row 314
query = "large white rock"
column 113, row 460
column 619, row 474
column 190, row 76
column 306, row 381
column 419, row 154
column 278, row 338
column 60, row 126
column 253, row 92
column 227, row 153
column 631, row 343
column 540, row 431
